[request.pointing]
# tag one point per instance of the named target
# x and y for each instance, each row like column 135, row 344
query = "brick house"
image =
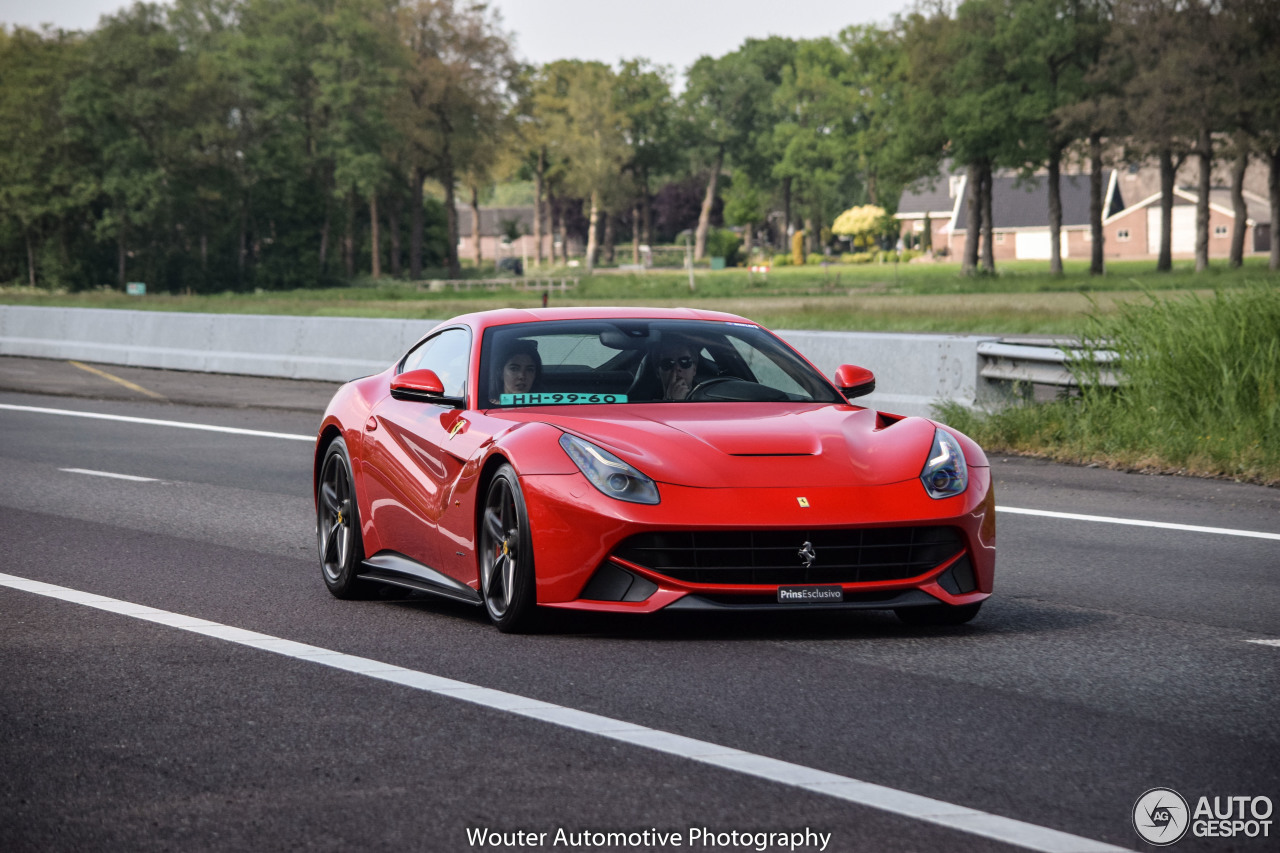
column 1135, row 231
column 493, row 228
column 1021, row 213
column 1020, row 216
column 931, row 199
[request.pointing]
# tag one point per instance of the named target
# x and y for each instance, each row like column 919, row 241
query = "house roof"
column 1024, row 203
column 1142, row 179
column 1257, row 208
column 927, row 195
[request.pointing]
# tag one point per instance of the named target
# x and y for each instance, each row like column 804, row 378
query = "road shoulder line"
column 913, row 806
column 1138, row 522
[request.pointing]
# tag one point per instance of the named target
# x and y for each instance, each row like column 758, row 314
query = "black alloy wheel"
column 338, row 525
column 506, row 556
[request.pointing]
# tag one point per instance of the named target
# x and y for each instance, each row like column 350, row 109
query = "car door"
column 415, row 452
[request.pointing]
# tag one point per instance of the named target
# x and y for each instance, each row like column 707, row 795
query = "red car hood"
column 713, row 445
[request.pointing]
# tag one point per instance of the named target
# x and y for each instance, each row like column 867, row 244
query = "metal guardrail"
column 1042, row 362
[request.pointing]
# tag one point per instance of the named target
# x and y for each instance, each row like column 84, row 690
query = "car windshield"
column 575, row 362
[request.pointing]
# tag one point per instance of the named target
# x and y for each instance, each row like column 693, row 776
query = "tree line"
column 233, row 144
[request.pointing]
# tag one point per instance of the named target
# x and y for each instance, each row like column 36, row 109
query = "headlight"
column 608, row 473
column 945, row 474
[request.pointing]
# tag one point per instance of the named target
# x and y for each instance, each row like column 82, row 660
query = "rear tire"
column 338, row 526
column 938, row 614
column 507, row 581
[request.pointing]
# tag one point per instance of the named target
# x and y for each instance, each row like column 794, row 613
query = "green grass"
column 1022, row 299
column 1200, row 392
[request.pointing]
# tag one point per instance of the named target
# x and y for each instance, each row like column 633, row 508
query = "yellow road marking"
column 125, row 382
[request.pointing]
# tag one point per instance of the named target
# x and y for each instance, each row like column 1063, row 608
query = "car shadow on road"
column 1000, row 616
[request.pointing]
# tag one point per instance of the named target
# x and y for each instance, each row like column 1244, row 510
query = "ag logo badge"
column 1161, row 816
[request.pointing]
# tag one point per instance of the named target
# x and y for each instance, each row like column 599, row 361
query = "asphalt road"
column 1112, row 660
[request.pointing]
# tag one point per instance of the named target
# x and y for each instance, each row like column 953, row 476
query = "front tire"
column 507, row 582
column 338, row 526
column 938, row 614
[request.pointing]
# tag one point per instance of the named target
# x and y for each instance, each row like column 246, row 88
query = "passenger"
column 676, row 366
column 518, row 372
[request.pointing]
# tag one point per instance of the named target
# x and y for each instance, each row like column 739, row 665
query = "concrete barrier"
column 331, row 348
column 913, row 372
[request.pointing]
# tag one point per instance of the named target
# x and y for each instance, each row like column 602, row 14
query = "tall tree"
column 643, row 95
column 875, row 76
column 722, row 101
column 816, row 143
column 286, row 174
column 1162, row 98
column 355, row 76
column 1252, row 38
column 1096, row 112
column 129, row 103
column 591, row 133
column 921, row 143
column 459, row 85
column 36, row 180
column 1043, row 41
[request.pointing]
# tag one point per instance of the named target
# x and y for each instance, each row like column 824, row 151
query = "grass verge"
column 1200, row 393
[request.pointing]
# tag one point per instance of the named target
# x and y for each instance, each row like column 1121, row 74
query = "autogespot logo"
column 1160, row 816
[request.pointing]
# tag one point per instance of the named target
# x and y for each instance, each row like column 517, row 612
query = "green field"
column 1021, row 299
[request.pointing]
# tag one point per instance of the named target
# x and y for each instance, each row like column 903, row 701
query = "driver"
column 518, row 371
column 676, row 367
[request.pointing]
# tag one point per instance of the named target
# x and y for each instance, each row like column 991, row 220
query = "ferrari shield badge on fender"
column 804, row 502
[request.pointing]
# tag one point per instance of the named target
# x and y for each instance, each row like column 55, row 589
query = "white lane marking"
column 1137, row 522
column 92, row 473
column 961, row 818
column 1265, row 642
column 1192, row 528
column 153, row 422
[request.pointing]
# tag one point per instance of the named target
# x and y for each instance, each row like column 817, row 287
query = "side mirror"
column 419, row 384
column 855, row 381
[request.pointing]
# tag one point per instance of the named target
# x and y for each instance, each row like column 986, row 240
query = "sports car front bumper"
column 884, row 546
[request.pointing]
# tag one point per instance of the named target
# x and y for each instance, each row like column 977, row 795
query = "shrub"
column 723, row 243
column 797, row 248
column 856, row 258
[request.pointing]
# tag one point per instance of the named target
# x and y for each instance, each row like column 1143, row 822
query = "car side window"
column 448, row 354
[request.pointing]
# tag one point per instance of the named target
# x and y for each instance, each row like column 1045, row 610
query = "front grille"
column 770, row 557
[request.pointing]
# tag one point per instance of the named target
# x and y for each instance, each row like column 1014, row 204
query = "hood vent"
column 771, row 455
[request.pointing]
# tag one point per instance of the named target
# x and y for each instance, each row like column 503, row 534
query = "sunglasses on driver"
column 684, row 361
